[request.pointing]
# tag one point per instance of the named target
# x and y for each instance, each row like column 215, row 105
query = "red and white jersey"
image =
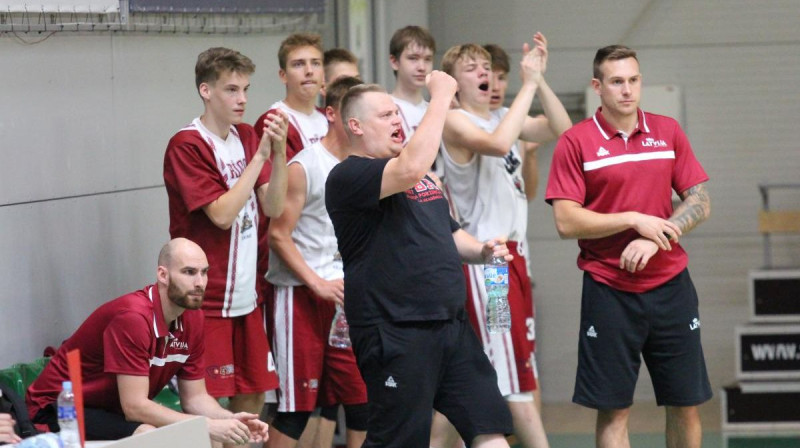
column 127, row 336
column 489, row 192
column 313, row 235
column 304, row 129
column 606, row 171
column 199, row 167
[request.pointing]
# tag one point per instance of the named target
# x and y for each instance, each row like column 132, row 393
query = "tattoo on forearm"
column 695, row 208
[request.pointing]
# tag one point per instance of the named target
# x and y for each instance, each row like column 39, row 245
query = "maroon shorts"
column 312, row 373
column 237, row 356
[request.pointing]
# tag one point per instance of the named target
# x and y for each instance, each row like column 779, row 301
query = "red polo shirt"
column 127, row 335
column 597, row 167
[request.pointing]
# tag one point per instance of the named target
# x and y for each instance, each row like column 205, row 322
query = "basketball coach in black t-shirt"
column 404, row 285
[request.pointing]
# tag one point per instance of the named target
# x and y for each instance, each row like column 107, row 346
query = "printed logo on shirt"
column 424, row 191
column 234, row 170
column 247, row 223
column 512, row 162
column 591, row 332
column 602, row 152
column 220, row 372
column 651, row 142
column 179, row 345
column 312, row 384
column 391, row 383
column 695, row 324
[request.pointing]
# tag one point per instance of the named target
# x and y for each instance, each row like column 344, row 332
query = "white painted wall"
column 738, row 65
column 87, row 117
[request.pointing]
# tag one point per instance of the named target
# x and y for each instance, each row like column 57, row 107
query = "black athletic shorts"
column 662, row 325
column 98, row 423
column 411, row 368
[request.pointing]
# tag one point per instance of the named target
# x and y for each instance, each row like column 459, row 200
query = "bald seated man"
column 132, row 346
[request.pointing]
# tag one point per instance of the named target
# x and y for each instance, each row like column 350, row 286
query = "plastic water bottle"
column 68, row 417
column 340, row 330
column 498, row 313
column 46, row 440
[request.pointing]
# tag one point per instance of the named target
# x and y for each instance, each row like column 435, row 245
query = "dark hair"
column 610, row 53
column 337, row 89
column 499, row 58
column 295, row 41
column 215, row 61
column 338, row 55
column 411, row 33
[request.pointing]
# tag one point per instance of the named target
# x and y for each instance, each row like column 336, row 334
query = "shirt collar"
column 608, row 131
column 159, row 323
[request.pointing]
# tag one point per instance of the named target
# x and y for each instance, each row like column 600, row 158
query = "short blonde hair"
column 459, row 52
column 295, row 41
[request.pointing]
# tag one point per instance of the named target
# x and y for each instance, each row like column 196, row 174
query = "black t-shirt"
column 400, row 260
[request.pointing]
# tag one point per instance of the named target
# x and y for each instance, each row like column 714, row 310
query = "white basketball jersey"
column 489, row 192
column 310, row 127
column 313, row 235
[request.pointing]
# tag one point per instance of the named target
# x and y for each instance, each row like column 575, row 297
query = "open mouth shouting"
column 398, row 136
column 484, row 86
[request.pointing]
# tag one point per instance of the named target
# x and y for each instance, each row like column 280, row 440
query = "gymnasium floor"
column 572, row 426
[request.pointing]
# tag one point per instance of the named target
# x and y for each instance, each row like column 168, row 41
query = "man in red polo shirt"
column 611, row 184
column 130, row 348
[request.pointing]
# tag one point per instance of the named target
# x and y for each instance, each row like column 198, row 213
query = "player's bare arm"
column 694, row 208
column 549, row 126
column 281, row 242
column 272, row 195
column 405, row 170
column 476, row 252
column 530, row 169
column 224, row 210
column 555, row 121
